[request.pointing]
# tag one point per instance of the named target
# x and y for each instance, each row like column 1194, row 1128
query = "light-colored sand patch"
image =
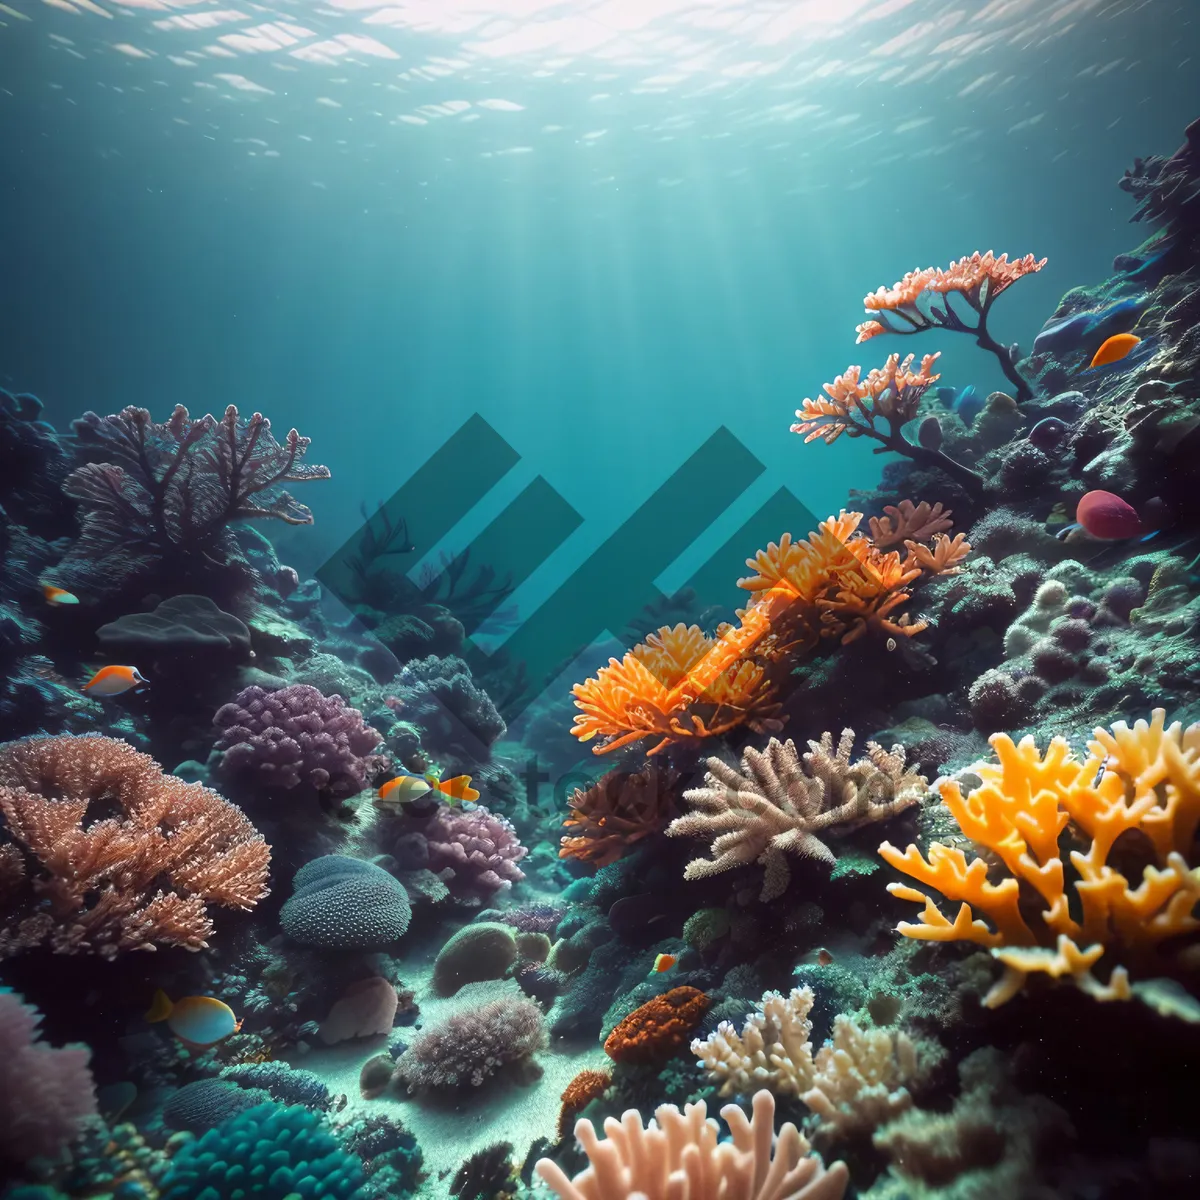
column 448, row 1131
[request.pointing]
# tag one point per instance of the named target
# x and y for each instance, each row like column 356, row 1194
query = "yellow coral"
column 1144, row 777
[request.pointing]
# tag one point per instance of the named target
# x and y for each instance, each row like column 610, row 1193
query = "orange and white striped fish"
column 112, row 681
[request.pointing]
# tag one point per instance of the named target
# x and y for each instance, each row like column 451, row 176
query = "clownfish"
column 404, row 789
column 1114, row 349
column 112, row 681
column 56, row 597
column 663, row 962
column 197, row 1021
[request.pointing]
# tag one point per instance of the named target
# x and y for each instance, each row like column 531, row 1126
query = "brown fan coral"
column 618, row 810
column 780, row 801
column 131, row 881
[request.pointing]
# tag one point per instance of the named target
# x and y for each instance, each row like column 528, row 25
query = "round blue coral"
column 267, row 1152
column 345, row 903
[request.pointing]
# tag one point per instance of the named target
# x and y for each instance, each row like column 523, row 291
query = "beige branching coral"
column 781, row 801
column 907, row 521
column 134, row 880
column 861, row 1079
column 858, row 1081
column 773, row 1051
column 678, row 1157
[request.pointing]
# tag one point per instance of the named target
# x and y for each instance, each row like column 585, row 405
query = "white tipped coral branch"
column 780, row 801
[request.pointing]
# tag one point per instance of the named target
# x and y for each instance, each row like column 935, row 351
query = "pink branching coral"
column 977, row 280
column 133, row 880
column 879, row 407
column 162, row 495
column 476, row 852
column 44, row 1092
column 296, row 735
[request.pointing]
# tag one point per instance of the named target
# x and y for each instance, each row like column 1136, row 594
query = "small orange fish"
column 56, row 597
column 458, row 789
column 404, row 789
column 663, row 962
column 112, row 681
column 1114, row 349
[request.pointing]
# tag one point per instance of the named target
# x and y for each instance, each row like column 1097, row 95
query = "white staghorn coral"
column 780, row 800
column 861, row 1078
column 678, row 1156
column 773, row 1050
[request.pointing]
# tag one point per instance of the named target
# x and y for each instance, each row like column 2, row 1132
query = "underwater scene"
column 600, row 599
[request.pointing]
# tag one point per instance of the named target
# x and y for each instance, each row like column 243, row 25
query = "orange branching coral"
column 978, row 279
column 659, row 1028
column 131, row 881
column 879, row 407
column 684, row 685
column 615, row 812
column 678, row 684
column 1144, row 778
column 580, row 1092
column 839, row 584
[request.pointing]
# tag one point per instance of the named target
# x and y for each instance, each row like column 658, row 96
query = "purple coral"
column 472, row 1045
column 161, row 495
column 476, row 852
column 295, row 736
column 44, row 1092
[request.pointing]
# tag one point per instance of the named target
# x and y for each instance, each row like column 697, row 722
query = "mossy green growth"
column 854, row 863
column 705, row 927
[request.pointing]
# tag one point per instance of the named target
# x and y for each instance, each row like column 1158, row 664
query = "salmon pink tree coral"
column 879, row 407
column 977, row 280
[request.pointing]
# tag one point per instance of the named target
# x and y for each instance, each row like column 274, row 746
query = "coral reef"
column 131, row 882
column 780, row 801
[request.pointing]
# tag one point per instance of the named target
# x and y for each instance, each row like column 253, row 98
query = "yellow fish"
column 112, row 681
column 197, row 1021
column 1114, row 349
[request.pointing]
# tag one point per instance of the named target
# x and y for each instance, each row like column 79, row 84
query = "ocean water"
column 537, row 664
